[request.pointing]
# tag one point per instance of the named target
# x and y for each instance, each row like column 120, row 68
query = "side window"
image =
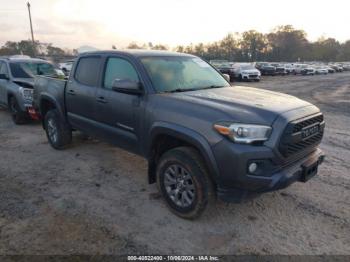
column 3, row 68
column 118, row 68
column 88, row 70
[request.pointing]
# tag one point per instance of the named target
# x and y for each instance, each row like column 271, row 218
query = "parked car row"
column 254, row 71
column 17, row 75
column 202, row 137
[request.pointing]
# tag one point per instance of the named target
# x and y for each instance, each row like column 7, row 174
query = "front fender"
column 188, row 135
column 54, row 102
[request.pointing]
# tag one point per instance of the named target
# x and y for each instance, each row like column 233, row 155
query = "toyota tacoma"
column 201, row 136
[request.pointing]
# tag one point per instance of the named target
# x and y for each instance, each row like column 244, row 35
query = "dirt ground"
column 94, row 199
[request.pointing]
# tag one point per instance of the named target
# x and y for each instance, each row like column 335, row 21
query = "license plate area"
column 309, row 171
column 310, row 131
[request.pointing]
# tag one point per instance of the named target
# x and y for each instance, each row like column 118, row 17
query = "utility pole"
column 31, row 26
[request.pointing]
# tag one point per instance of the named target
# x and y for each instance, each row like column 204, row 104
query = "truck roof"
column 137, row 53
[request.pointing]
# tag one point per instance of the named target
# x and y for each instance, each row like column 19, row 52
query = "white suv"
column 246, row 72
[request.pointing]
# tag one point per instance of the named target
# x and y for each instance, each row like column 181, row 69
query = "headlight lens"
column 27, row 93
column 244, row 133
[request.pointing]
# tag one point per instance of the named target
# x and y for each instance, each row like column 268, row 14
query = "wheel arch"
column 165, row 136
column 46, row 104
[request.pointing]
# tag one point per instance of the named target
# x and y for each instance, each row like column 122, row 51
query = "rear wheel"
column 18, row 116
column 184, row 182
column 58, row 132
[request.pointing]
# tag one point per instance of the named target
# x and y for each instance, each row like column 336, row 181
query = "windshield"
column 30, row 69
column 176, row 73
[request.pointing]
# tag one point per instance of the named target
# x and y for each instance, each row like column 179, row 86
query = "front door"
column 118, row 113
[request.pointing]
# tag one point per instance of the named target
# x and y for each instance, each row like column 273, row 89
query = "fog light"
column 252, row 167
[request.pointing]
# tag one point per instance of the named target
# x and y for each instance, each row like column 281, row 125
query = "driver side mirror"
column 127, row 86
column 227, row 77
column 4, row 77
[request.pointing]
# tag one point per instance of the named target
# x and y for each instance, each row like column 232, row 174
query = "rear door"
column 3, row 83
column 118, row 113
column 81, row 93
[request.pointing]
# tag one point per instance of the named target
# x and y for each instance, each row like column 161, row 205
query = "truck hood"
column 25, row 82
column 244, row 104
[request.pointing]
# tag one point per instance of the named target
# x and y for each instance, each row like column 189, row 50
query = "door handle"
column 101, row 99
column 71, row 92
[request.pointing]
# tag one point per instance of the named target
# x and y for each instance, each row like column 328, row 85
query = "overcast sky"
column 101, row 23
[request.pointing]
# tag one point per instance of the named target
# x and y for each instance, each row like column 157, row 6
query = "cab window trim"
column 123, row 58
column 99, row 73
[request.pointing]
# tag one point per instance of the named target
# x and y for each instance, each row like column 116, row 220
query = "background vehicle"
column 246, row 71
column 16, row 85
column 304, row 69
column 337, row 68
column 289, row 68
column 201, row 136
column 280, row 69
column 224, row 67
column 321, row 70
column 346, row 67
column 330, row 70
column 308, row 71
column 66, row 67
column 266, row 68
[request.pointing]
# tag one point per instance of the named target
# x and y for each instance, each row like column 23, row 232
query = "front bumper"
column 251, row 76
column 34, row 114
column 254, row 185
column 28, row 109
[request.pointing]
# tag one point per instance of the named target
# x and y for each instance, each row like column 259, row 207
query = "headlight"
column 244, row 133
column 27, row 93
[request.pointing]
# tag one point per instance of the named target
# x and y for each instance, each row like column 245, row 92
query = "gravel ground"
column 94, row 199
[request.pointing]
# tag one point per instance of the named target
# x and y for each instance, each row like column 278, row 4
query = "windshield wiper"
column 212, row 86
column 178, row 90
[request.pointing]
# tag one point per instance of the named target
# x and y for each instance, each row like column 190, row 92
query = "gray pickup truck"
column 201, row 136
column 16, row 85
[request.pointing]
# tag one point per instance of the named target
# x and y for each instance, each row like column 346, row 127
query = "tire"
column 57, row 131
column 257, row 80
column 183, row 169
column 18, row 116
column 240, row 78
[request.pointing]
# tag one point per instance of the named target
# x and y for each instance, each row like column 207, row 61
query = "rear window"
column 88, row 70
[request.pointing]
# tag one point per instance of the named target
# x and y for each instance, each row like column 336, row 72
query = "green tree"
column 55, row 51
column 180, row 49
column 229, row 47
column 287, row 44
column 344, row 54
column 133, row 45
column 253, row 45
column 24, row 47
column 159, row 47
column 326, row 49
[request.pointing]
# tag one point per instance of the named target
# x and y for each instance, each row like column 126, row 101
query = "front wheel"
column 18, row 116
column 184, row 182
column 57, row 131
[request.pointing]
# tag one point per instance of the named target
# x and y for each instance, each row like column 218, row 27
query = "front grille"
column 292, row 142
column 308, row 122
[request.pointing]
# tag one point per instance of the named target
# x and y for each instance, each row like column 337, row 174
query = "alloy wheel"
column 52, row 130
column 179, row 185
